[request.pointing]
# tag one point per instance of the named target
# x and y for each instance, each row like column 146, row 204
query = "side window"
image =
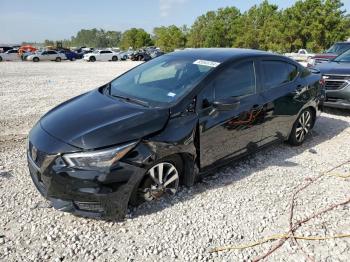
column 236, row 80
column 51, row 52
column 276, row 73
column 13, row 52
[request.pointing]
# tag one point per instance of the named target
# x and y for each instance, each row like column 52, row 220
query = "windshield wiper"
column 133, row 100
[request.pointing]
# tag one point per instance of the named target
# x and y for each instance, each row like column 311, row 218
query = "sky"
column 23, row 20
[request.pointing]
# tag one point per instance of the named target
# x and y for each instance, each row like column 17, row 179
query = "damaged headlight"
column 99, row 159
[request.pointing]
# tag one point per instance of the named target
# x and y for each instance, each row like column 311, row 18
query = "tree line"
column 309, row 24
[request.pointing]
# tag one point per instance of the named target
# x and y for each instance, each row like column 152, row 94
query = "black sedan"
column 165, row 123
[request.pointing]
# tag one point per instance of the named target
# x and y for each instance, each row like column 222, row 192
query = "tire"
column 125, row 57
column 92, row 59
column 58, row 59
column 36, row 59
column 0, row 59
column 139, row 58
column 72, row 59
column 154, row 188
column 114, row 58
column 301, row 127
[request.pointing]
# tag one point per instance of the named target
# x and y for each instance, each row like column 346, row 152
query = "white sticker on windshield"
column 206, row 63
column 171, row 94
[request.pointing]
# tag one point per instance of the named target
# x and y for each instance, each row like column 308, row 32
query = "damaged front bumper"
column 81, row 192
column 87, row 193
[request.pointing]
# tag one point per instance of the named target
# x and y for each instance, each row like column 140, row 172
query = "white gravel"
column 243, row 202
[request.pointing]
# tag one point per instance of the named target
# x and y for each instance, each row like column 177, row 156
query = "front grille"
column 89, row 206
column 338, row 77
column 335, row 84
column 39, row 156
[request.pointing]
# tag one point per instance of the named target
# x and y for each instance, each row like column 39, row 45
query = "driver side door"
column 228, row 132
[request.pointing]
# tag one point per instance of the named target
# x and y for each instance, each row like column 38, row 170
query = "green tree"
column 259, row 28
column 169, row 38
column 135, row 38
column 315, row 24
column 215, row 28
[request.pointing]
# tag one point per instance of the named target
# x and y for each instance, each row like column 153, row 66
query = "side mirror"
column 226, row 104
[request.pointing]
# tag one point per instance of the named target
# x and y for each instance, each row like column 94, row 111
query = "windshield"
column 162, row 80
column 338, row 48
column 344, row 57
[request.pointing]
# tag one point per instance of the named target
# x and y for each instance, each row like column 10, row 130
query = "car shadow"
column 336, row 111
column 325, row 128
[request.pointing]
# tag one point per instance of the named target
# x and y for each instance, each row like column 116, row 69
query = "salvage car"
column 165, row 123
column 336, row 74
column 10, row 55
column 102, row 55
column 49, row 55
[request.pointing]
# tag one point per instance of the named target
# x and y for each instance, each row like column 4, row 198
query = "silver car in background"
column 50, row 55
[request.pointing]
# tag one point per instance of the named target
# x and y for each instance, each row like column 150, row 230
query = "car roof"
column 220, row 54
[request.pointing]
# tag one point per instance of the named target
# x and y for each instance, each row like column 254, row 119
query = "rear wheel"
column 114, row 58
column 92, row 59
column 36, row 59
column 301, row 128
column 162, row 179
column 58, row 59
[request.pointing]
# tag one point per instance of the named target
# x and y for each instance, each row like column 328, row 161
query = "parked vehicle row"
column 165, row 123
column 89, row 55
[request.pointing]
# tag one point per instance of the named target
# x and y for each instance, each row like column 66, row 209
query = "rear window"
column 276, row 73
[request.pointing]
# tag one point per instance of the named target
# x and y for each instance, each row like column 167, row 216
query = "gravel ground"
column 241, row 203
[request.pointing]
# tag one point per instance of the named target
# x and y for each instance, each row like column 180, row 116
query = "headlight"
column 99, row 159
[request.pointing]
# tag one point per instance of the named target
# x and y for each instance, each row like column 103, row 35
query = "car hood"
column 94, row 120
column 334, row 68
column 325, row 55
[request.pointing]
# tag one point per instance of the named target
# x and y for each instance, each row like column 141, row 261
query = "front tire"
column 301, row 128
column 92, row 59
column 36, row 59
column 114, row 58
column 0, row 59
column 162, row 179
column 58, row 59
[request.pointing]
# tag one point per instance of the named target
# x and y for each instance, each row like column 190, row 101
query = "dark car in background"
column 164, row 123
column 70, row 55
column 140, row 55
column 336, row 74
column 335, row 50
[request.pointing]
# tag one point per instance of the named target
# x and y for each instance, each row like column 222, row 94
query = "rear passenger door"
column 280, row 84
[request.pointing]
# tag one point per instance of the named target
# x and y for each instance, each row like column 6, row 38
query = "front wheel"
column 0, row 59
column 114, row 58
column 58, row 59
column 92, row 59
column 162, row 179
column 36, row 59
column 301, row 128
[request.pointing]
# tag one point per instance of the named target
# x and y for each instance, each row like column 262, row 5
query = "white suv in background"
column 102, row 55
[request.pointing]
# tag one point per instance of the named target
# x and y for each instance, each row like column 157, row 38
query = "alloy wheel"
column 303, row 126
column 163, row 178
